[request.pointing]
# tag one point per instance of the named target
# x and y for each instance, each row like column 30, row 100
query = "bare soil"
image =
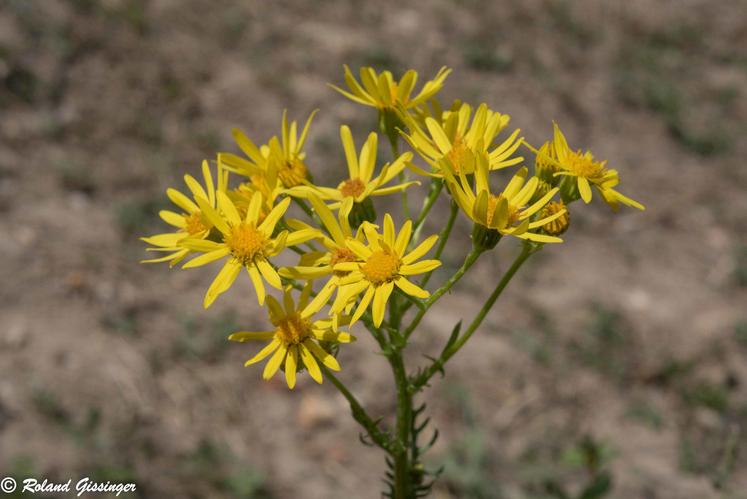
column 621, row 351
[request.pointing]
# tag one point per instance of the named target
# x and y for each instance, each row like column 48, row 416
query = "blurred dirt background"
column 619, row 357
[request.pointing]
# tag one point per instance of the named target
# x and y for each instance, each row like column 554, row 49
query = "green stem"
column 468, row 262
column 388, row 127
column 379, row 437
column 367, row 320
column 402, row 477
column 307, row 209
column 449, row 351
column 435, row 189
column 442, row 238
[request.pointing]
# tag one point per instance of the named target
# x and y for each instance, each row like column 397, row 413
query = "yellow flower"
column 506, row 213
column 247, row 243
column 361, row 184
column 381, row 265
column 191, row 222
column 295, row 337
column 455, row 143
column 284, row 155
column 382, row 92
column 265, row 183
column 320, row 264
column 588, row 172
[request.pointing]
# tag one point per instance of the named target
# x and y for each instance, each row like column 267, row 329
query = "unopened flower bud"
column 560, row 224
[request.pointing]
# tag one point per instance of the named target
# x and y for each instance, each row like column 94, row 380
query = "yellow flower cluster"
column 240, row 214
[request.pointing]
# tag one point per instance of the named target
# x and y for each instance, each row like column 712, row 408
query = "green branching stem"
column 442, row 238
column 468, row 262
column 389, row 127
column 438, row 364
column 379, row 437
column 402, row 483
column 435, row 189
column 307, row 209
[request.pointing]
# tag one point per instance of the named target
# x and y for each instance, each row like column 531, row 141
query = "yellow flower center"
column 382, row 266
column 458, row 154
column 292, row 329
column 352, row 188
column 342, row 255
column 193, row 224
column 292, row 172
column 560, row 224
column 246, row 243
column 513, row 211
column 583, row 165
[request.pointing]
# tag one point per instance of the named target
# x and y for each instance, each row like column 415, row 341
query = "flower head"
column 191, row 222
column 296, row 339
column 381, row 265
column 383, row 92
column 587, row 172
column 558, row 225
column 508, row 213
column 318, row 264
column 246, row 242
column 266, row 183
column 282, row 157
column 361, row 183
column 455, row 143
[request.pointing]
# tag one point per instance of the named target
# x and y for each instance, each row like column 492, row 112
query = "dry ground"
column 622, row 351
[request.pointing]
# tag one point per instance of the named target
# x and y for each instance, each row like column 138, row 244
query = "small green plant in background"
column 656, row 74
column 355, row 267
column 465, row 469
column 576, row 468
column 740, row 266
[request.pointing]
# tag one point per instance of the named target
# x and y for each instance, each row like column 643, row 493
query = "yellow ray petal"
column 273, row 364
column 207, row 258
column 242, row 336
column 291, row 365
column 310, row 363
column 327, row 359
column 213, row 216
column 255, row 206
column 269, row 273
column 410, row 288
column 271, row 347
column 380, row 299
column 259, row 286
column 247, row 145
column 438, row 135
column 420, row 250
column 195, row 187
column 350, row 155
column 403, row 238
column 584, row 189
column 172, row 218
column 389, row 230
column 363, row 305
column 268, row 225
column 420, row 267
column 181, row 200
column 328, row 219
column 228, row 209
column 368, row 157
column 222, row 282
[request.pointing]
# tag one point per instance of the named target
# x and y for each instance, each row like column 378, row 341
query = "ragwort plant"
column 356, row 268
